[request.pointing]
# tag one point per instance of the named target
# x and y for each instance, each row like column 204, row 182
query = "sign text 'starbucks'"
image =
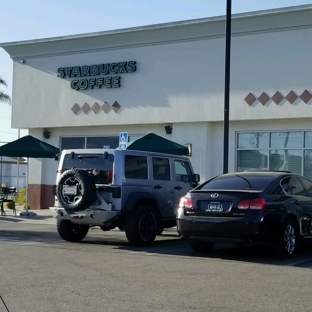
column 96, row 70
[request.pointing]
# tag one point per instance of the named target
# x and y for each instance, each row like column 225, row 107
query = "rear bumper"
column 222, row 230
column 90, row 216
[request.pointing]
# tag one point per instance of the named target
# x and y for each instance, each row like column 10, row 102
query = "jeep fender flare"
column 137, row 198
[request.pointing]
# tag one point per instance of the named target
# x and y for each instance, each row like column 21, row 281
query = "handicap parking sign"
column 122, row 146
column 123, row 139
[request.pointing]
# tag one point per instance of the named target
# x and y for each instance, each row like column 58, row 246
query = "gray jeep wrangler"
column 135, row 191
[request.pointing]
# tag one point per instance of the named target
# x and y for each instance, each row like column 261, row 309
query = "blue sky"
column 34, row 19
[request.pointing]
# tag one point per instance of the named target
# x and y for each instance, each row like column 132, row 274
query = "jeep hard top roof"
column 118, row 151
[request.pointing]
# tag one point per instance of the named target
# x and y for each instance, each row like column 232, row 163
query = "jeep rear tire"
column 141, row 226
column 71, row 232
column 83, row 190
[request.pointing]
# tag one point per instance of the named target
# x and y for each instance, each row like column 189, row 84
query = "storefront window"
column 253, row 140
column 73, row 142
column 286, row 139
column 285, row 151
column 100, row 142
column 307, row 171
column 252, row 160
column 308, row 139
column 90, row 142
column 286, row 160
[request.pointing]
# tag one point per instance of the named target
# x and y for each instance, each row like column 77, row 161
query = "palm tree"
column 4, row 97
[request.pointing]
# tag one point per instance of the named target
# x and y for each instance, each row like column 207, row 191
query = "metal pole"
column 17, row 177
column 227, row 87
column 1, row 163
column 1, row 171
column 27, row 174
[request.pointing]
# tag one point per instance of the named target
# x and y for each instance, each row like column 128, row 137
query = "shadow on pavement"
column 28, row 236
column 168, row 244
column 251, row 254
column 13, row 218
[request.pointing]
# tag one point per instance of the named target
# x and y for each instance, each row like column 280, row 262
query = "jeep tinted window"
column 161, row 169
column 88, row 161
column 135, row 167
column 182, row 171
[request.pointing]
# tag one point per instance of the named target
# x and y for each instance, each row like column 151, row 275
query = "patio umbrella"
column 154, row 143
column 29, row 147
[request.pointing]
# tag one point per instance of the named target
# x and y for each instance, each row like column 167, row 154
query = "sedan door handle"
column 158, row 187
column 296, row 202
column 178, row 188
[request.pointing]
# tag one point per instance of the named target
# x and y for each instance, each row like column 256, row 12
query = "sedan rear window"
column 237, row 182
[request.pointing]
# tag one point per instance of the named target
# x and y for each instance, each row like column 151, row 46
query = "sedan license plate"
column 214, row 207
column 69, row 189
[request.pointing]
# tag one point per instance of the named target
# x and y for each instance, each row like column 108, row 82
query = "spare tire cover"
column 76, row 190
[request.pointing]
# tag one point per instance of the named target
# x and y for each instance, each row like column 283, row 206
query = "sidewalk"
column 34, row 214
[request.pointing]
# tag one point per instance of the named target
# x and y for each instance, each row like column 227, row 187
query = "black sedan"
column 248, row 207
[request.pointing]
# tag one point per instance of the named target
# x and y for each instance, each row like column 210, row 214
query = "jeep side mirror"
column 196, row 178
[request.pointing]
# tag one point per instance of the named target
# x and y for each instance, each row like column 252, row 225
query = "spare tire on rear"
column 76, row 190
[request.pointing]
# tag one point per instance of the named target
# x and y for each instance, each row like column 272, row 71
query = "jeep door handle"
column 178, row 188
column 158, row 187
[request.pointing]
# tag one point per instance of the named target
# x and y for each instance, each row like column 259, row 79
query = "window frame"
column 269, row 148
column 85, row 137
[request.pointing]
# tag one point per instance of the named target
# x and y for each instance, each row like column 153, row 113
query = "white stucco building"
column 86, row 89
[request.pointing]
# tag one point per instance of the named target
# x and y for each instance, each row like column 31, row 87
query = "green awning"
column 30, row 147
column 155, row 143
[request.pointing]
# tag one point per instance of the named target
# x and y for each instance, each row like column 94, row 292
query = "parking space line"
column 165, row 251
column 156, row 251
column 300, row 262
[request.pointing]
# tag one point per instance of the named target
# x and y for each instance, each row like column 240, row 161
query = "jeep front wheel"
column 71, row 232
column 141, row 226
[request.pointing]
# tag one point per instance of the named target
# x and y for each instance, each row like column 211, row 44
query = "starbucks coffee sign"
column 109, row 71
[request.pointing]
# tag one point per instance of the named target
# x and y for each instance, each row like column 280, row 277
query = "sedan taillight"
column 255, row 204
column 243, row 204
column 185, row 203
